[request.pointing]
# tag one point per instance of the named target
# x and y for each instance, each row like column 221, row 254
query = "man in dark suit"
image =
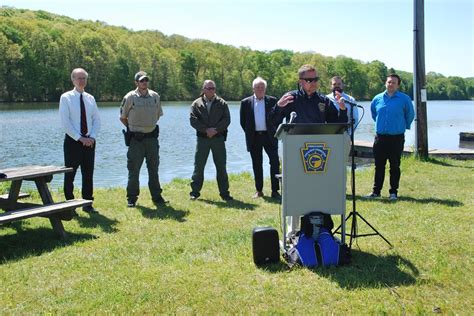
column 259, row 134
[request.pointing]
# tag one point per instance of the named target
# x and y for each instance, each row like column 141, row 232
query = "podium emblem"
column 314, row 156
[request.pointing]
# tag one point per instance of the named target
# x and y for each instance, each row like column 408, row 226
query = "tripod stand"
column 354, row 214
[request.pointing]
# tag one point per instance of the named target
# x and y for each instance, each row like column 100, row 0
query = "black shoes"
column 160, row 201
column 90, row 209
column 194, row 196
column 276, row 195
column 227, row 197
column 131, row 202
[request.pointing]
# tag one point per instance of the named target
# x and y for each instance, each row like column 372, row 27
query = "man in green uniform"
column 210, row 118
column 140, row 112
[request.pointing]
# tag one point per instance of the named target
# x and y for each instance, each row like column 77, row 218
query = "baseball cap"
column 141, row 75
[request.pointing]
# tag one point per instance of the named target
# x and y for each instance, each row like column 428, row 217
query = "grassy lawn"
column 195, row 257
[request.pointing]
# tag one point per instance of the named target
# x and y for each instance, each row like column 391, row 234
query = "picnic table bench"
column 21, row 195
column 41, row 175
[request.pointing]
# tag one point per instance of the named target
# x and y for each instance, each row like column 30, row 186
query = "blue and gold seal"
column 315, row 157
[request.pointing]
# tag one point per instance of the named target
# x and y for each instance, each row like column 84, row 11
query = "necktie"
column 83, row 118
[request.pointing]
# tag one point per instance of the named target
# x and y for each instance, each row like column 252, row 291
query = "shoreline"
column 3, row 102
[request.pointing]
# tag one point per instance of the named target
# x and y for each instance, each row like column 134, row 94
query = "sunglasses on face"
column 309, row 80
column 210, row 88
column 144, row 80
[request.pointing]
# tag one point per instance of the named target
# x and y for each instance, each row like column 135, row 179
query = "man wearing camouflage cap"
column 140, row 112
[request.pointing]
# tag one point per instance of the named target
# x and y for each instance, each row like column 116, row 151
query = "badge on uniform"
column 322, row 107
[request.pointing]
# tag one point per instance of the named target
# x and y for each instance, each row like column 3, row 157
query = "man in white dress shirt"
column 259, row 135
column 338, row 85
column 81, row 122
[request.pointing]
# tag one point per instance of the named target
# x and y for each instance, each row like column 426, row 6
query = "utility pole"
column 419, row 80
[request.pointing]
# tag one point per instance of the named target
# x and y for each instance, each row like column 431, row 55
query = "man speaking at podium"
column 309, row 105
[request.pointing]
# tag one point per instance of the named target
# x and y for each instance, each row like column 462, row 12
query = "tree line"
column 39, row 49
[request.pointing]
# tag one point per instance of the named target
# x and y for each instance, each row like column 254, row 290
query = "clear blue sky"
column 366, row 30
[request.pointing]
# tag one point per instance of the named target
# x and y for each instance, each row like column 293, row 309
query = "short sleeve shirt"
column 142, row 112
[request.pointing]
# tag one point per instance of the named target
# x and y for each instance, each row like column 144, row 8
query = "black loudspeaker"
column 265, row 245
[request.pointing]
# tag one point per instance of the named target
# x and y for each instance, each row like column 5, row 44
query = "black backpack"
column 312, row 222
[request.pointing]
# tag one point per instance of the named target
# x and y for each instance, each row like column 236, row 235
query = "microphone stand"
column 354, row 214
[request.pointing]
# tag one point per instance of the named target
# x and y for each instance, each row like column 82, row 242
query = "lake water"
column 31, row 134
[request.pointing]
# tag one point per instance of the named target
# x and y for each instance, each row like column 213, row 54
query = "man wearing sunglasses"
column 309, row 105
column 210, row 117
column 140, row 112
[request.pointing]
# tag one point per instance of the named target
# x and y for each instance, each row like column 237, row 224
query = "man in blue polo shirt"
column 393, row 113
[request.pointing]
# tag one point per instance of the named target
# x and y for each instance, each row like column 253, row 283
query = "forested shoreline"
column 39, row 49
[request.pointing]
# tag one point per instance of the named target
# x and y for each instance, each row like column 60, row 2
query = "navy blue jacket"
column 316, row 108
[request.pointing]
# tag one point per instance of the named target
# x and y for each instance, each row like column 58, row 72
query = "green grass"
column 195, row 257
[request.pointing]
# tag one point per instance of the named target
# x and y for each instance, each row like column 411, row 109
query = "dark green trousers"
column 145, row 149
column 219, row 155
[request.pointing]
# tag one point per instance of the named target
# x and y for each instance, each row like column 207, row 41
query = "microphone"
column 350, row 102
column 293, row 115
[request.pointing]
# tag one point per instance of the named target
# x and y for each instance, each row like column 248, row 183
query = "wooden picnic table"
column 41, row 175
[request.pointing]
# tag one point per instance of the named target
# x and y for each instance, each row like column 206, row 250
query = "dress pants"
column 262, row 141
column 145, row 149
column 76, row 155
column 387, row 147
column 204, row 145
